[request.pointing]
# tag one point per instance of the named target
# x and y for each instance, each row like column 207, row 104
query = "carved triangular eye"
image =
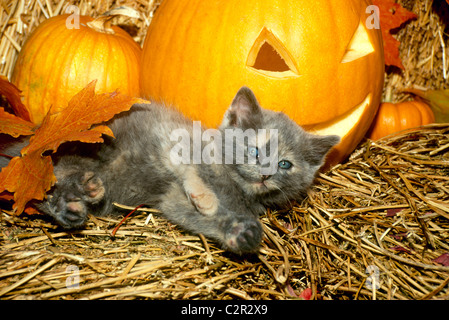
column 270, row 57
column 359, row 46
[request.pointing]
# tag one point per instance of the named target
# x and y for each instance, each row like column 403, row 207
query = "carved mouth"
column 344, row 123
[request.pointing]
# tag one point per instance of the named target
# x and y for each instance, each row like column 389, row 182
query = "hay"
column 376, row 227
column 370, row 229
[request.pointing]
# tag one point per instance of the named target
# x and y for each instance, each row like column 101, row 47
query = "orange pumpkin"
column 320, row 62
column 57, row 62
column 392, row 118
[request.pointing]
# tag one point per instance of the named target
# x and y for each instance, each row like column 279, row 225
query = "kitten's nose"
column 265, row 178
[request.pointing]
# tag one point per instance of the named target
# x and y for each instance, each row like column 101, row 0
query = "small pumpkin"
column 392, row 118
column 320, row 62
column 56, row 62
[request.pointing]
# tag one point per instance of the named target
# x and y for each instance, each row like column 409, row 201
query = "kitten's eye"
column 253, row 152
column 284, row 164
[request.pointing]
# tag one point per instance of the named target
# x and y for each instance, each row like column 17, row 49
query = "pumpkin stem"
column 103, row 22
column 388, row 94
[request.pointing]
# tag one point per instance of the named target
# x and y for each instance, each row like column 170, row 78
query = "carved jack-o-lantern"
column 317, row 61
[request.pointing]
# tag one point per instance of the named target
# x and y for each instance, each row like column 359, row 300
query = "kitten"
column 135, row 168
column 294, row 155
column 220, row 201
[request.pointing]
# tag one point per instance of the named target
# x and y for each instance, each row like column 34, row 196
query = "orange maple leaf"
column 31, row 176
column 14, row 126
column 12, row 95
column 392, row 16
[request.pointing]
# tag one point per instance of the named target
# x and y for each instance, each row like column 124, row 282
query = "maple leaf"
column 31, row 176
column 392, row 16
column 14, row 126
column 12, row 95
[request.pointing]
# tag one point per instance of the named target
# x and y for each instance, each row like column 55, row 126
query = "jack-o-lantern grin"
column 342, row 125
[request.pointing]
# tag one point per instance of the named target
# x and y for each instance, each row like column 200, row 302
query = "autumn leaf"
column 12, row 95
column 306, row 294
column 443, row 259
column 400, row 249
column 392, row 16
column 392, row 212
column 14, row 126
column 30, row 176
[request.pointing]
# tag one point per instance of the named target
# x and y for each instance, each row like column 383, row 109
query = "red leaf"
column 400, row 236
column 392, row 16
column 306, row 294
column 400, row 249
column 392, row 212
column 444, row 258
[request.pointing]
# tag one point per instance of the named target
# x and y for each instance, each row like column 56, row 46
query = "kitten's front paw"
column 244, row 236
column 70, row 201
column 68, row 210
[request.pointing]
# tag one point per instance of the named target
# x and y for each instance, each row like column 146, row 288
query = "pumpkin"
column 392, row 118
column 56, row 62
column 317, row 61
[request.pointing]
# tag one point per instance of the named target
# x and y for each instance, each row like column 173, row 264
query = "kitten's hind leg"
column 202, row 197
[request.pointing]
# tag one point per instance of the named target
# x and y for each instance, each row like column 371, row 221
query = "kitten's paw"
column 69, row 203
column 206, row 203
column 93, row 187
column 244, row 236
column 68, row 210
column 201, row 196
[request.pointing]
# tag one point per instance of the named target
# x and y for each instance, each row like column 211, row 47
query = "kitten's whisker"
column 287, row 199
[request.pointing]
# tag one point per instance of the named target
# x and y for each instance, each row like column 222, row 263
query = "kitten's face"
column 281, row 159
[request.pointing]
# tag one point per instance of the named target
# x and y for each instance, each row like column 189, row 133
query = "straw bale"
column 372, row 228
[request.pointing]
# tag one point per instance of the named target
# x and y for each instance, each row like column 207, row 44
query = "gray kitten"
column 294, row 154
column 219, row 200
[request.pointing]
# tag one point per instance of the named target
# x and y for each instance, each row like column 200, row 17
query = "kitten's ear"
column 244, row 111
column 319, row 147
